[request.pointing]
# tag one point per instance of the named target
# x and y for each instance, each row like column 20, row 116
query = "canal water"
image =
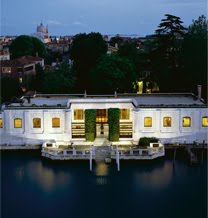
column 32, row 187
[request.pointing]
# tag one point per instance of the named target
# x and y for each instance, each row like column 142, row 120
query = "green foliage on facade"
column 145, row 141
column 113, row 121
column 90, row 124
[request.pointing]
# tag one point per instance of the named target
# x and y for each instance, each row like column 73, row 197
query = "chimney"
column 199, row 90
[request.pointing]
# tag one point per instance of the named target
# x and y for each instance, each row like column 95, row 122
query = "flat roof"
column 138, row 100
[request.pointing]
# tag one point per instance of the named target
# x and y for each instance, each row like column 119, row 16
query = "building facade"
column 61, row 118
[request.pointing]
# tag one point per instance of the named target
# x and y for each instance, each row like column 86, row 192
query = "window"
column 125, row 114
column 1, row 123
column 17, row 123
column 55, row 122
column 101, row 116
column 167, row 121
column 186, row 121
column 6, row 70
column 148, row 122
column 78, row 114
column 36, row 123
column 204, row 121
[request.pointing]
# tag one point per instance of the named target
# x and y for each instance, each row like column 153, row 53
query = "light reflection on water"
column 157, row 178
column 101, row 172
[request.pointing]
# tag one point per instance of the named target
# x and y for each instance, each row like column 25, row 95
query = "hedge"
column 145, row 141
column 113, row 122
column 90, row 124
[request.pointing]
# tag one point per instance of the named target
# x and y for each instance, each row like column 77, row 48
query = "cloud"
column 78, row 23
column 54, row 22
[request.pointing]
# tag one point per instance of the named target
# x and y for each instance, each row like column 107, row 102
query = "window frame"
column 75, row 110
column 204, row 117
column 38, row 126
column 59, row 122
column 127, row 110
column 147, row 118
column 170, row 121
column 186, row 117
column 16, row 119
column 1, row 123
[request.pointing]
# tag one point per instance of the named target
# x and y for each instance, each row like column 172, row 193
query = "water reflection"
column 156, row 177
column 47, row 178
column 101, row 171
column 19, row 173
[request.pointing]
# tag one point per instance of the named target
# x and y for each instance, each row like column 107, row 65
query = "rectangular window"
column 78, row 114
column 101, row 116
column 148, row 122
column 17, row 123
column 1, row 123
column 125, row 114
column 55, row 122
column 186, row 122
column 205, row 121
column 36, row 123
column 167, row 121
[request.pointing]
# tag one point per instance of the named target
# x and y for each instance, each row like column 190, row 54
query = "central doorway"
column 102, row 123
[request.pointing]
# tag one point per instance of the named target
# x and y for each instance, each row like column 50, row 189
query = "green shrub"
column 145, row 141
column 90, row 124
column 113, row 122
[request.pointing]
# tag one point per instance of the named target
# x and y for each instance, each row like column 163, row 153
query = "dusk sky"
column 69, row 17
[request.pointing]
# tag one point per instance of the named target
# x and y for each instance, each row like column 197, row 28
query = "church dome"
column 41, row 28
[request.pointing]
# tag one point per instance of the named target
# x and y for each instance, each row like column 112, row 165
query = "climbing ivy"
column 90, row 124
column 113, row 122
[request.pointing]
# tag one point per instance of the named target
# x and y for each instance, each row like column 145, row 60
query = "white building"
column 169, row 117
column 42, row 33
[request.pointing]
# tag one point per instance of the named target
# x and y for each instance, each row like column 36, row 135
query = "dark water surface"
column 34, row 187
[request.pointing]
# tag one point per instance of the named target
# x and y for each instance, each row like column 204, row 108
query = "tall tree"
column 113, row 73
column 60, row 81
column 86, row 51
column 195, row 55
column 169, row 37
column 27, row 45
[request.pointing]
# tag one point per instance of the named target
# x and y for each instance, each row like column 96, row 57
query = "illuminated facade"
column 169, row 117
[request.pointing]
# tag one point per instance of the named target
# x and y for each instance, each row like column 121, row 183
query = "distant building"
column 4, row 53
column 20, row 66
column 42, row 33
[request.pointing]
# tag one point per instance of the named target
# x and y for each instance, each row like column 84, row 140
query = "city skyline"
column 69, row 17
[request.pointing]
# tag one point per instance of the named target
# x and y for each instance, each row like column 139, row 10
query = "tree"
column 195, row 55
column 113, row 73
column 27, row 45
column 60, row 81
column 86, row 50
column 10, row 88
column 169, row 37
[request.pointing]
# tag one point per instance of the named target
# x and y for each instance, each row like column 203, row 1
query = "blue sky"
column 69, row 17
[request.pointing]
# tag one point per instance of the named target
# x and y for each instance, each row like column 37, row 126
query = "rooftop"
column 159, row 100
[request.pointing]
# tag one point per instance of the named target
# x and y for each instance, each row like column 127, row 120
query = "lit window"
column 36, row 123
column 1, row 123
column 55, row 122
column 17, row 123
column 148, row 122
column 204, row 121
column 167, row 121
column 78, row 114
column 125, row 114
column 186, row 121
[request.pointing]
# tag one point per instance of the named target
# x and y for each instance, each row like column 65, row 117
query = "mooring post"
column 174, row 155
column 118, row 162
column 90, row 158
column 202, row 155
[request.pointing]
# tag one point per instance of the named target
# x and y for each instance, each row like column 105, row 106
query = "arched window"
column 167, row 121
column 1, row 123
column 186, row 121
column 36, row 122
column 148, row 122
column 205, row 121
column 17, row 123
column 55, row 122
